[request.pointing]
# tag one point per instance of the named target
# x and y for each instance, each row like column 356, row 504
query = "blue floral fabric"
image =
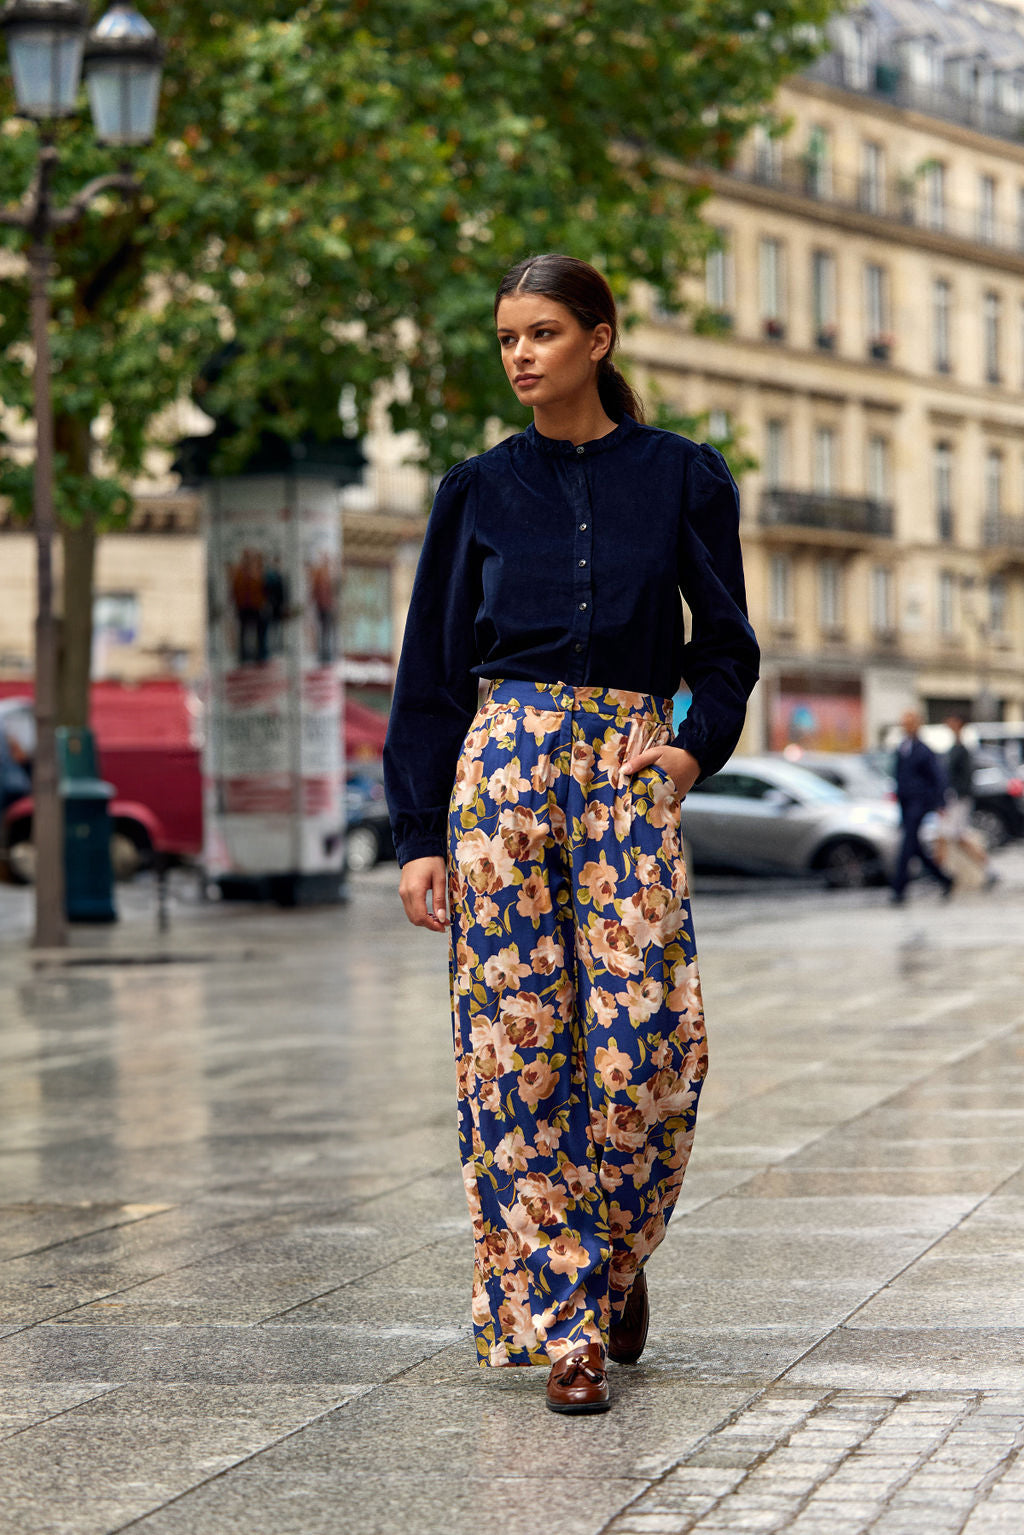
column 579, row 1030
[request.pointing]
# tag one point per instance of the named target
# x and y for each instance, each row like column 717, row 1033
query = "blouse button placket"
column 583, row 607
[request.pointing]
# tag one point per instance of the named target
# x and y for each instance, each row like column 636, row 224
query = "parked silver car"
column 764, row 815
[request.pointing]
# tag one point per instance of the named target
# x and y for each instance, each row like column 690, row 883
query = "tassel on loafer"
column 627, row 1336
column 578, row 1382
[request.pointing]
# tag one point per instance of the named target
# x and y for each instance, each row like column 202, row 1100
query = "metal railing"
column 829, row 513
column 1003, row 533
column 900, row 200
column 889, row 82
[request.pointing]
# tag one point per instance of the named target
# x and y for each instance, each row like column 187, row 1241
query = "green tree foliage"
column 337, row 186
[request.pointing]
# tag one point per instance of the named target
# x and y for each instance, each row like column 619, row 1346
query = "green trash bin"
column 88, row 870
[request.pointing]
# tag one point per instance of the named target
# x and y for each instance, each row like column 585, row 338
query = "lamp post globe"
column 45, row 39
column 123, row 65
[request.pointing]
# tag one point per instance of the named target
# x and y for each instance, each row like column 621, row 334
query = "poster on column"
column 273, row 759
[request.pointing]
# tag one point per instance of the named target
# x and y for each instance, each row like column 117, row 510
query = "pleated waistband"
column 617, row 704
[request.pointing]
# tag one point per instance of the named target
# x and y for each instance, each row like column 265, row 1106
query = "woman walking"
column 543, row 825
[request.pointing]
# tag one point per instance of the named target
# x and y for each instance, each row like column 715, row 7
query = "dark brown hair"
column 586, row 294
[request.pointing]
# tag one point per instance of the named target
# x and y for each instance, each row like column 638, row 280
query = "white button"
column 579, row 450
column 583, row 607
column 583, row 527
column 582, row 564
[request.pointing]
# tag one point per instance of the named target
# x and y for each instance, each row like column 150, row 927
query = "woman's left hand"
column 681, row 766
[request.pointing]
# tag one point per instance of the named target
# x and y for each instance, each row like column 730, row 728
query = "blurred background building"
column 860, row 332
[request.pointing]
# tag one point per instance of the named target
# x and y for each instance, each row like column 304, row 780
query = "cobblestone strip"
column 848, row 1463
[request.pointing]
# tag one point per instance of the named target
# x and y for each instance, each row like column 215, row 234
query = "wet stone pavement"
column 234, row 1254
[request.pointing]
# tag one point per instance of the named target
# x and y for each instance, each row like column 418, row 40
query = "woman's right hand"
column 420, row 877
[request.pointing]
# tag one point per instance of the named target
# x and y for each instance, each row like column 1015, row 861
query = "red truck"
column 148, row 743
column 148, row 738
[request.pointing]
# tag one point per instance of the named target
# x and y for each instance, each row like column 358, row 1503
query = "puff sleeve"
column 721, row 659
column 435, row 695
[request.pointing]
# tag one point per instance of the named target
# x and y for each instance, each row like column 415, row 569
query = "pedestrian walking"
column 920, row 789
column 553, row 566
column 955, row 820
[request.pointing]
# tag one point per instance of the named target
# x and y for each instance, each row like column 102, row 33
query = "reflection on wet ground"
column 235, row 1262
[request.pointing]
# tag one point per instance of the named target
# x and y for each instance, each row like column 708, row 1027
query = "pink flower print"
column 543, row 773
column 627, row 1128
column 615, row 1067
column 613, row 946
column 663, row 1096
column 579, row 1180
column 664, row 809
column 611, row 754
column 605, row 1005
column 537, row 1081
column 599, row 880
column 622, row 815
column 481, row 1303
column 547, row 956
column 622, row 1270
column 534, row 898
column 685, row 998
column 639, row 1168
column 566, row 1255
column 556, row 815
column 595, row 820
column 582, row 762
column 484, row 911
column 565, row 998
column 541, row 722
column 504, row 969
column 522, row 833
column 484, row 861
column 519, row 1222
column 507, row 783
column 619, row 1222
column 647, row 869
column 515, row 1319
column 546, row 1137
column 652, row 915
column 497, row 1251
column 545, row 1202
column 512, row 1154
column 527, row 1021
column 644, row 999
column 468, row 777
column 610, row 1176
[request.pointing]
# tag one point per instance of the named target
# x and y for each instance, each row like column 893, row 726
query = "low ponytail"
column 618, row 398
column 586, row 294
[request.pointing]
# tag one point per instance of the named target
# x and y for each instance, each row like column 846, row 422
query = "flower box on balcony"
column 775, row 329
column 880, row 349
column 826, row 338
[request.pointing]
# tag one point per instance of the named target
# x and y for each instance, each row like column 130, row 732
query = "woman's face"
column 549, row 357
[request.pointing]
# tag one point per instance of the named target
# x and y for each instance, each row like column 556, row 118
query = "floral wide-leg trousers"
column 579, row 1031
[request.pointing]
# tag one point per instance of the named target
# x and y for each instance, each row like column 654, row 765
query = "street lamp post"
column 46, row 41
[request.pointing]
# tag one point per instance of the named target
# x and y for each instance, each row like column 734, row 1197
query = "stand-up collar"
column 599, row 445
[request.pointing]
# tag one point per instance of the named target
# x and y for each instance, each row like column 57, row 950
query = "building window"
column 872, row 177
column 770, row 258
column 1020, row 218
column 881, row 599
column 993, row 483
column 990, row 333
column 719, row 425
column 942, row 481
column 718, row 284
column 824, row 459
column 823, row 298
column 774, row 454
column 1022, row 342
column 366, row 628
column 876, row 303
column 767, row 155
column 115, row 626
column 818, row 163
column 987, row 209
column 947, row 603
column 781, row 589
column 942, row 293
column 935, row 194
column 830, row 578
column 878, row 477
column 997, row 606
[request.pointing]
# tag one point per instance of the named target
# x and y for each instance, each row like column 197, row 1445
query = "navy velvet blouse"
column 550, row 562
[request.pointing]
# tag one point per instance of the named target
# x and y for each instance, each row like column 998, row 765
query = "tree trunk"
column 74, row 440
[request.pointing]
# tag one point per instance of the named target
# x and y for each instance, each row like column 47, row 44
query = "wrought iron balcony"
column 853, row 516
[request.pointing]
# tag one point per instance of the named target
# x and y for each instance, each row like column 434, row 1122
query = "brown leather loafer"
column 628, row 1335
column 579, row 1382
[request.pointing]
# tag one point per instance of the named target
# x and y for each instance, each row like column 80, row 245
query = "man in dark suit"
column 920, row 788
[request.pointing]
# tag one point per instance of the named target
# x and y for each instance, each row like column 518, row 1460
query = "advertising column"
column 274, row 760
